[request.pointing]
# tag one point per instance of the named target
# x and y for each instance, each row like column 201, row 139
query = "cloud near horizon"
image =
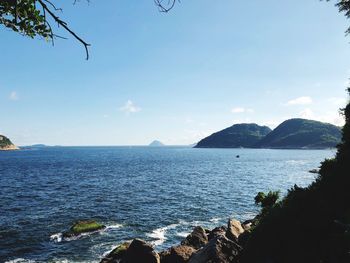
column 241, row 110
column 130, row 107
column 304, row 100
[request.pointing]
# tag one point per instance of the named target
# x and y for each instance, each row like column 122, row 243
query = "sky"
column 174, row 77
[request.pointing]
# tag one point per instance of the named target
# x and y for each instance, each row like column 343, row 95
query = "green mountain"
column 6, row 144
column 239, row 135
column 301, row 133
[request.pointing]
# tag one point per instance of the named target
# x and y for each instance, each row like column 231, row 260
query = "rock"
column 217, row 231
column 247, row 227
column 117, row 254
column 314, row 171
column 218, row 250
column 197, row 238
column 234, row 229
column 178, row 254
column 243, row 238
column 83, row 226
column 139, row 251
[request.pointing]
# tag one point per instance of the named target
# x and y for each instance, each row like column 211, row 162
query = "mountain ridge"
column 295, row 133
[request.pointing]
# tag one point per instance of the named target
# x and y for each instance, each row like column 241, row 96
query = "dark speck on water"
column 158, row 194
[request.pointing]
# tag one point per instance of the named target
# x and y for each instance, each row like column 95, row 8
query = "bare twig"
column 64, row 25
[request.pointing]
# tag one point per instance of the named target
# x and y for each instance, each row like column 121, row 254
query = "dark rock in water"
column 196, row 239
column 217, row 232
column 314, row 171
column 237, row 156
column 83, row 226
column 234, row 229
column 117, row 254
column 139, row 251
column 178, row 254
column 218, row 250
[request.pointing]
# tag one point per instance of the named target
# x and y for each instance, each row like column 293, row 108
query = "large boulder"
column 178, row 254
column 135, row 252
column 218, row 250
column 140, row 251
column 197, row 239
column 234, row 229
column 217, row 231
column 117, row 254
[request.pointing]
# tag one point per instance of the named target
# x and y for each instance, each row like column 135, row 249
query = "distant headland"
column 6, row 144
column 290, row 134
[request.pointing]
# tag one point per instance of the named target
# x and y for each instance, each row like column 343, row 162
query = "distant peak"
column 156, row 143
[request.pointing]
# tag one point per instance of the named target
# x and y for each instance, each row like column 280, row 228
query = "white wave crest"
column 56, row 237
column 182, row 234
column 159, row 234
column 20, row 260
column 113, row 226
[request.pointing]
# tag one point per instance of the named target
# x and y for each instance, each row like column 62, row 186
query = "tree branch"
column 64, row 25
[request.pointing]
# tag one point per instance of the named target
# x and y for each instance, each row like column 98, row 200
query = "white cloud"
column 13, row 96
column 130, row 107
column 241, row 110
column 300, row 101
column 329, row 117
column 340, row 102
column 307, row 114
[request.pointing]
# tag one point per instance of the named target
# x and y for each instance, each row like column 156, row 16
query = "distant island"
column 6, row 144
column 290, row 134
column 156, row 143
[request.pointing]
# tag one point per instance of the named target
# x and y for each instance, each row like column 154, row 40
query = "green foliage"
column 4, row 141
column 267, row 200
column 25, row 17
column 310, row 224
column 86, row 226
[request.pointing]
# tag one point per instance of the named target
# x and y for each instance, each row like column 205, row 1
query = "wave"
column 20, row 260
column 159, row 234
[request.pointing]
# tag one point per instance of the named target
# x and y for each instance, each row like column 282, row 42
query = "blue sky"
column 174, row 77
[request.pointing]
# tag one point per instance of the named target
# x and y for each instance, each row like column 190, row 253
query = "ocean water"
column 158, row 194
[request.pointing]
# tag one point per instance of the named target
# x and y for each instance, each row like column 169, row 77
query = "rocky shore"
column 222, row 244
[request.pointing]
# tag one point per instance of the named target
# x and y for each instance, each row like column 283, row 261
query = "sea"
column 158, row 194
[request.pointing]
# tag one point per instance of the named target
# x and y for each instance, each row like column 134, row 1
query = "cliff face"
column 6, row 144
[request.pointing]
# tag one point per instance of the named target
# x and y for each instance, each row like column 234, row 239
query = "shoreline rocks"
column 223, row 244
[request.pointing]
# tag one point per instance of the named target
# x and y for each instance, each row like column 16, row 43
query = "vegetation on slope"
column 5, row 143
column 310, row 224
column 238, row 135
column 302, row 133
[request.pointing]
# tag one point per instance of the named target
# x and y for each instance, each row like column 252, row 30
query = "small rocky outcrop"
column 135, row 252
column 177, row 254
column 219, row 245
column 217, row 232
column 82, row 227
column 197, row 238
column 234, row 229
column 218, row 250
column 117, row 254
